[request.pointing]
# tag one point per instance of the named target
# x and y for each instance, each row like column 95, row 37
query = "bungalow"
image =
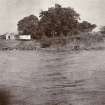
column 12, row 36
column 8, row 36
column 23, row 37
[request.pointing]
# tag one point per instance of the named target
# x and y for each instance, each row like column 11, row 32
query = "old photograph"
column 52, row 52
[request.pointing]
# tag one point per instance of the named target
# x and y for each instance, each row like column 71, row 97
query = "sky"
column 11, row 11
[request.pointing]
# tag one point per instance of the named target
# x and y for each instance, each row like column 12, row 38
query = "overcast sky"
column 13, row 10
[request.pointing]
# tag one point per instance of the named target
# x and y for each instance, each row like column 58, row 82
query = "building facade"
column 10, row 36
column 25, row 37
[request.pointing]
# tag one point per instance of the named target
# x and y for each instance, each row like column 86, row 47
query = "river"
column 53, row 77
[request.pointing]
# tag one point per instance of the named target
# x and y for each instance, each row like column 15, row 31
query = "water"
column 53, row 77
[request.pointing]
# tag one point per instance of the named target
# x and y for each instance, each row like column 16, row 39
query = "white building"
column 25, row 37
column 10, row 36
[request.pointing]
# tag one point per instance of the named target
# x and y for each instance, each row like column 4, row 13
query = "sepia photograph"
column 52, row 52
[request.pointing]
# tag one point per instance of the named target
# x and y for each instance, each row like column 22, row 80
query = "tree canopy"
column 28, row 25
column 85, row 26
column 58, row 20
column 102, row 29
column 54, row 22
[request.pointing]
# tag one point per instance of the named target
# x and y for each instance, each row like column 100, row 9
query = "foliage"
column 86, row 26
column 57, row 21
column 102, row 29
column 29, row 25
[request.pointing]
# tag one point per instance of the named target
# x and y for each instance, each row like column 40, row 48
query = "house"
column 10, row 36
column 23, row 37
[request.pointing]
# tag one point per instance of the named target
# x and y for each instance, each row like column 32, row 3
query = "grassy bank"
column 17, row 44
column 83, row 41
column 79, row 42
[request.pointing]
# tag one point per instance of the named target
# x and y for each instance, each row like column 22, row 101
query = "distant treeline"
column 57, row 21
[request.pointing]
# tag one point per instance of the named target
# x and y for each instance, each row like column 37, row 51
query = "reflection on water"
column 54, row 78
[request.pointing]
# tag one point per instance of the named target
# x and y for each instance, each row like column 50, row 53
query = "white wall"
column 10, row 37
column 26, row 37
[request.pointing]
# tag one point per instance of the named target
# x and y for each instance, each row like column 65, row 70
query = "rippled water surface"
column 53, row 77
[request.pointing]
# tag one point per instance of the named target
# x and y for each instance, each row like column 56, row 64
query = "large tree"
column 29, row 25
column 58, row 21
